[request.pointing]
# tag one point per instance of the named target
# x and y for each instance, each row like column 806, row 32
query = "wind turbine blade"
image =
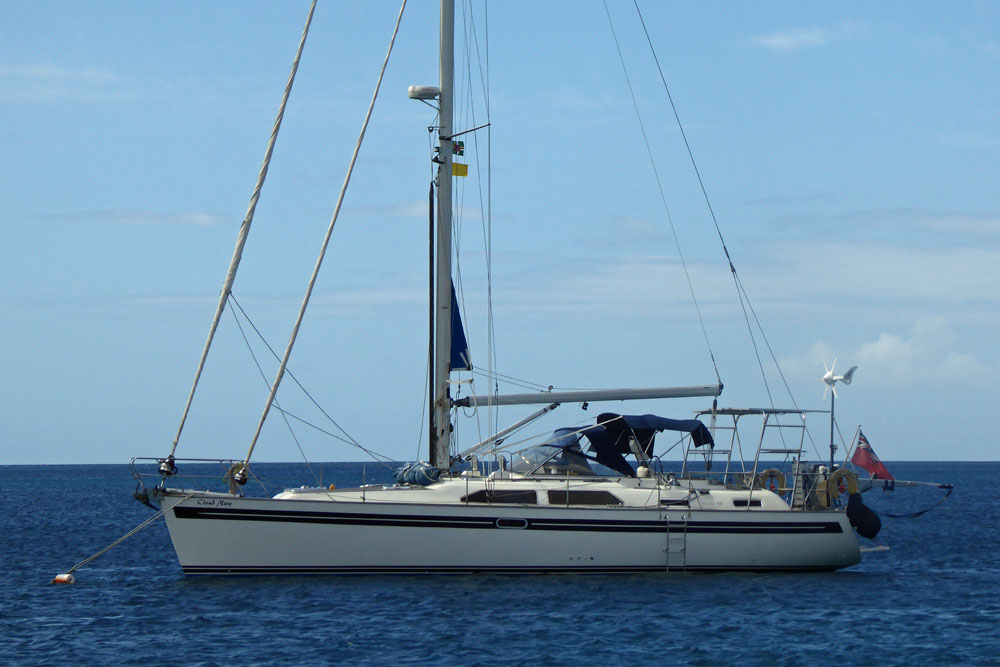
column 834, row 364
column 825, row 390
column 834, row 388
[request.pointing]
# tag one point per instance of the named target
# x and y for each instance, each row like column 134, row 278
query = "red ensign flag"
column 864, row 457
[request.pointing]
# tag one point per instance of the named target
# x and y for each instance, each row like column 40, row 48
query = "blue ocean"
column 933, row 598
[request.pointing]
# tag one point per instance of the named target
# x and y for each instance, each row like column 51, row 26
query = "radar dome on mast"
column 423, row 92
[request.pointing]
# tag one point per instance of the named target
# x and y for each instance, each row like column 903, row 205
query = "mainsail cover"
column 461, row 360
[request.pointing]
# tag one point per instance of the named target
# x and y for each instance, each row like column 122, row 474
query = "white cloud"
column 648, row 286
column 866, row 273
column 940, row 234
column 52, row 84
column 165, row 300
column 50, row 72
column 964, row 223
column 810, row 361
column 798, row 281
column 792, row 40
column 133, row 217
column 781, row 200
column 796, row 39
column 416, row 209
column 925, row 353
column 957, row 365
column 625, row 228
column 891, row 354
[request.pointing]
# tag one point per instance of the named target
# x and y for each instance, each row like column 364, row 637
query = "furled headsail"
column 461, row 360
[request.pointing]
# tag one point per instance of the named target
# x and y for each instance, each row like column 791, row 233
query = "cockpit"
column 611, row 439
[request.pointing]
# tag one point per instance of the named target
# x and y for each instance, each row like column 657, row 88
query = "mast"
column 441, row 426
column 833, row 445
column 431, row 227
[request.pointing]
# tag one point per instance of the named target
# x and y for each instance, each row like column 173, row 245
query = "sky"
column 850, row 152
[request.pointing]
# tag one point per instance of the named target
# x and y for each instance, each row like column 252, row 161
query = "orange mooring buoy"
column 64, row 579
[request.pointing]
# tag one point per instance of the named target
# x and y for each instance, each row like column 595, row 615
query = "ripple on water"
column 932, row 598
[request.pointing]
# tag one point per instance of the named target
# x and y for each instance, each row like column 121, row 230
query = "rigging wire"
column 744, row 296
column 468, row 22
column 458, row 200
column 488, row 218
column 423, row 411
column 263, row 377
column 491, row 350
column 472, row 51
column 378, row 458
column 777, row 367
column 663, row 196
column 326, row 243
column 347, row 438
column 527, row 384
column 430, row 280
column 708, row 202
column 241, row 238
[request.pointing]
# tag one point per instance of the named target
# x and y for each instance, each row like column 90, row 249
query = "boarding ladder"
column 676, row 547
column 675, row 531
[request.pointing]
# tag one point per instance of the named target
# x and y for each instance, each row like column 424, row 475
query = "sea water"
column 933, row 598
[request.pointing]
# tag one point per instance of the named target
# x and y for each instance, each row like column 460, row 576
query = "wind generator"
column 831, row 381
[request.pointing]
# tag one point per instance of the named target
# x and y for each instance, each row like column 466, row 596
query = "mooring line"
column 67, row 577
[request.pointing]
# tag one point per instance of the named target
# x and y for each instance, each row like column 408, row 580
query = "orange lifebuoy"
column 833, row 485
column 772, row 480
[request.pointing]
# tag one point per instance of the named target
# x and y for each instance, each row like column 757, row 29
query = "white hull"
column 233, row 535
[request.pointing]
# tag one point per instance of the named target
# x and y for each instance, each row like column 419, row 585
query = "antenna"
column 831, row 381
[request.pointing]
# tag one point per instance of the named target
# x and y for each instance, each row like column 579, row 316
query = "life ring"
column 772, row 480
column 833, row 485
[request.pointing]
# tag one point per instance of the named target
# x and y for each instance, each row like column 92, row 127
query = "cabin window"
column 583, row 498
column 512, row 496
column 743, row 502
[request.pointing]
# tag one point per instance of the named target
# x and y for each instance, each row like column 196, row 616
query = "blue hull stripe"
column 416, row 569
column 490, row 522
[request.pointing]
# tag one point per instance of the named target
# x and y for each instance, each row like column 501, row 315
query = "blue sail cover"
column 644, row 428
column 605, row 451
column 461, row 360
column 568, row 440
column 560, row 453
column 699, row 432
column 611, row 441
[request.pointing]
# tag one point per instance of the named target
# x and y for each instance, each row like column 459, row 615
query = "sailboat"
column 591, row 499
